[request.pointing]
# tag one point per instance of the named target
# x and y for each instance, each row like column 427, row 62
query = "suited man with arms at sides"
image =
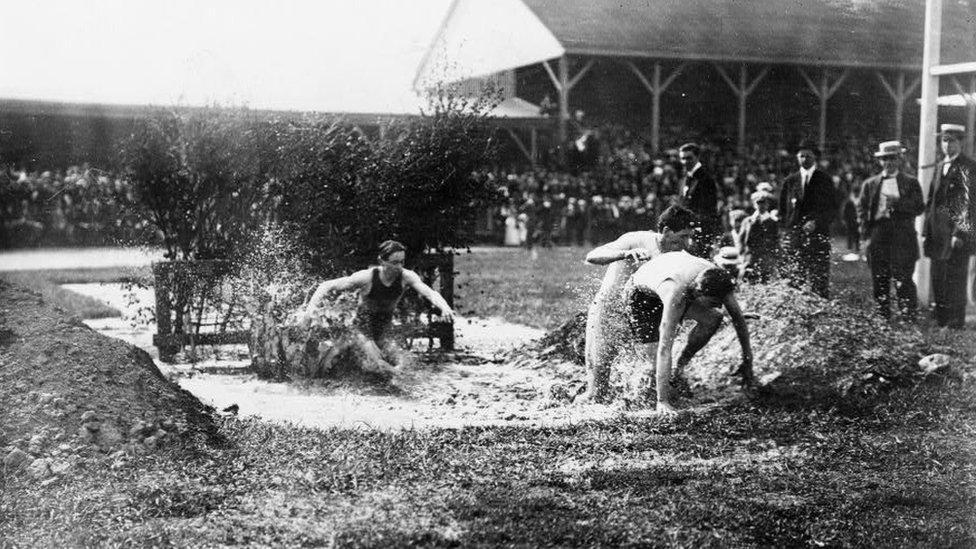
column 698, row 192
column 948, row 234
column 889, row 203
column 808, row 203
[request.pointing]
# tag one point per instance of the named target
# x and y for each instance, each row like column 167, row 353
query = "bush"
column 344, row 194
column 197, row 176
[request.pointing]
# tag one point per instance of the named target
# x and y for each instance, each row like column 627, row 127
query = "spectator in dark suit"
column 807, row 204
column 760, row 239
column 889, row 203
column 698, row 192
column 948, row 229
column 851, row 224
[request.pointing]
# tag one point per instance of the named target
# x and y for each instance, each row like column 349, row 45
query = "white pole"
column 927, row 127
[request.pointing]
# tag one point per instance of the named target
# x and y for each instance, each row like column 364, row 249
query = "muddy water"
column 475, row 389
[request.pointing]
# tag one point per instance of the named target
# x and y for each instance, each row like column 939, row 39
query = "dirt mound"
column 809, row 347
column 805, row 347
column 565, row 342
column 64, row 387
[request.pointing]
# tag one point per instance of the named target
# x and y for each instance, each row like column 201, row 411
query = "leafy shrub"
column 197, row 176
column 344, row 194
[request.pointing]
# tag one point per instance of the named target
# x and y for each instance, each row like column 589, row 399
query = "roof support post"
column 656, row 87
column 926, row 129
column 529, row 154
column 742, row 90
column 899, row 93
column 563, row 84
column 824, row 90
column 563, row 99
column 970, row 97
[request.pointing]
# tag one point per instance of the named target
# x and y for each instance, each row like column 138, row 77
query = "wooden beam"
column 575, row 80
column 899, row 93
column 824, row 91
column 563, row 102
column 958, row 68
column 755, row 81
column 652, row 88
column 969, row 96
column 931, row 51
column 837, row 83
column 806, row 78
column 563, row 84
column 742, row 90
column 521, row 145
column 656, row 88
column 552, row 76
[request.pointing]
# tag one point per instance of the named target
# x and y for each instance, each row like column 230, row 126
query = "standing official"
column 807, row 205
column 949, row 236
column 887, row 208
column 698, row 192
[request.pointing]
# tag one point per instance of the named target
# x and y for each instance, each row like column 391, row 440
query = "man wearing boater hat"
column 948, row 232
column 889, row 203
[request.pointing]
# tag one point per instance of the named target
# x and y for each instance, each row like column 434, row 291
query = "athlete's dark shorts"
column 374, row 324
column 644, row 312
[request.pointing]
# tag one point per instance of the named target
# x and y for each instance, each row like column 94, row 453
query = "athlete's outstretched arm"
column 627, row 246
column 355, row 281
column 674, row 308
column 742, row 332
column 413, row 280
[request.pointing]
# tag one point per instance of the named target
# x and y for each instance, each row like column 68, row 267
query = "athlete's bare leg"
column 373, row 356
column 643, row 391
column 601, row 348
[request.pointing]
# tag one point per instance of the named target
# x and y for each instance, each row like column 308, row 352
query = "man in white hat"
column 889, row 203
column 948, row 231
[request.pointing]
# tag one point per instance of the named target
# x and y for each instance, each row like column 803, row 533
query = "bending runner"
column 380, row 289
column 605, row 319
column 670, row 289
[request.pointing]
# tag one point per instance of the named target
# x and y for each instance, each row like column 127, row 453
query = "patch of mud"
column 61, row 383
column 477, row 385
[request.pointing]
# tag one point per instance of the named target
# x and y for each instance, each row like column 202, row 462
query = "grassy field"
column 901, row 473
column 545, row 290
column 900, row 476
column 48, row 284
column 541, row 292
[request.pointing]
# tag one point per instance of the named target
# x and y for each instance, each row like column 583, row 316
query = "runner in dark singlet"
column 380, row 289
column 375, row 311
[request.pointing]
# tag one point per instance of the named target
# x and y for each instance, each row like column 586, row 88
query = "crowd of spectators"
column 608, row 183
column 625, row 187
column 75, row 207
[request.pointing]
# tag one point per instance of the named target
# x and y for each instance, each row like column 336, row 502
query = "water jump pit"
column 474, row 386
column 807, row 350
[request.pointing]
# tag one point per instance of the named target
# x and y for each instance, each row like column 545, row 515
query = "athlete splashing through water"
column 380, row 289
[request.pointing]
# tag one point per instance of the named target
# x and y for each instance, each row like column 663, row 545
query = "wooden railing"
column 181, row 285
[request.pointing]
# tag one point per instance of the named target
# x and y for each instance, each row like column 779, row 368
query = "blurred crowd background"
column 605, row 183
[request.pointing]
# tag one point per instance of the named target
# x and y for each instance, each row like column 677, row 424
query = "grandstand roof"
column 512, row 111
column 850, row 33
